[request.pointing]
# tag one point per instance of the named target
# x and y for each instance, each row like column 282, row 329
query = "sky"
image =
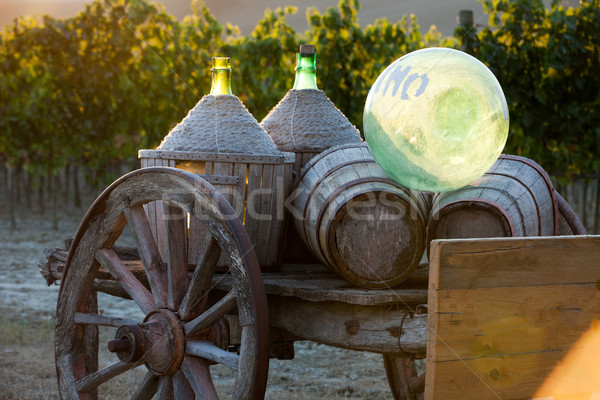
column 246, row 13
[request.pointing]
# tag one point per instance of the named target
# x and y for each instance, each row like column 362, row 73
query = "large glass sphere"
column 436, row 119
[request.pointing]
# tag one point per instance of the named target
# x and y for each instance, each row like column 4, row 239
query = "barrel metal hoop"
column 544, row 175
column 532, row 195
column 325, row 153
column 316, row 185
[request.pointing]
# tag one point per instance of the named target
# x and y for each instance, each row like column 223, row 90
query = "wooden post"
column 465, row 21
column 584, row 201
column 28, row 190
column 66, row 188
column 11, row 200
column 465, row 17
column 53, row 185
column 597, row 207
column 76, row 194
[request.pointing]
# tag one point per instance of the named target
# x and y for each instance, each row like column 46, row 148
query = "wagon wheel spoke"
column 176, row 230
column 155, row 268
column 195, row 298
column 209, row 351
column 197, row 373
column 212, row 315
column 102, row 320
column 93, row 380
column 147, row 388
column 111, row 261
column 165, row 388
column 181, row 387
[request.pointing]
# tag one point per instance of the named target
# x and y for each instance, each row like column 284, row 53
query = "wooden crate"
column 256, row 186
column 514, row 318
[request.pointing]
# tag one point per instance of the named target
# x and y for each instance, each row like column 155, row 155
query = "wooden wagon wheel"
column 173, row 341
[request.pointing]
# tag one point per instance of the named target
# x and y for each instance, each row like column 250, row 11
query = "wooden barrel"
column 514, row 198
column 357, row 220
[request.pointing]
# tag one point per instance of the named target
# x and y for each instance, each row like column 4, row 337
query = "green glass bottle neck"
column 221, row 76
column 306, row 77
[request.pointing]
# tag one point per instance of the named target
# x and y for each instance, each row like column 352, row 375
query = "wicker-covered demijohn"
column 219, row 124
column 223, row 143
column 306, row 122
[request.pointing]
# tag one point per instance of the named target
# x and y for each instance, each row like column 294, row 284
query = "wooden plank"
column 224, row 169
column 514, row 318
column 150, row 207
column 481, row 263
column 161, row 226
column 316, row 283
column 218, row 157
column 220, row 179
column 253, row 201
column 265, row 216
column 309, row 282
column 177, row 267
column 274, row 238
column 240, row 171
column 197, row 230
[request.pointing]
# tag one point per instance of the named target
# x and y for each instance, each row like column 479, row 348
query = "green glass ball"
column 436, row 119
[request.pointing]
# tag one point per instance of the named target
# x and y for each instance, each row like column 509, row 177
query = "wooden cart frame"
column 193, row 316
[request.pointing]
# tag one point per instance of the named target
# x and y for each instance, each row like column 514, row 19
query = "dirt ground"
column 27, row 307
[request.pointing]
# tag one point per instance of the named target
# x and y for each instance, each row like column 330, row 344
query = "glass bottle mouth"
column 306, row 62
column 221, row 64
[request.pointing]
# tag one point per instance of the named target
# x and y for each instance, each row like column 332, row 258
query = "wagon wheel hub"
column 129, row 343
column 160, row 340
column 165, row 342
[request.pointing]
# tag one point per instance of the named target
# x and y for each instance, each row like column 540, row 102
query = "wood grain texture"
column 147, row 387
column 318, row 284
column 198, row 235
column 181, row 387
column 198, row 375
column 249, row 184
column 357, row 221
column 310, row 282
column 514, row 318
column 209, row 351
column 196, row 297
column 285, row 157
column 142, row 232
column 373, row 329
column 137, row 291
column 177, row 267
column 92, row 244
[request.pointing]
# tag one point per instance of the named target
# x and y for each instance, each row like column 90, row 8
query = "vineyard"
column 80, row 96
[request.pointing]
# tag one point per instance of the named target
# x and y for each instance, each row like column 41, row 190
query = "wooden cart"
column 195, row 317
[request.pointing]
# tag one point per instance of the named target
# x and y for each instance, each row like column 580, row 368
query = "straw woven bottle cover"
column 307, row 120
